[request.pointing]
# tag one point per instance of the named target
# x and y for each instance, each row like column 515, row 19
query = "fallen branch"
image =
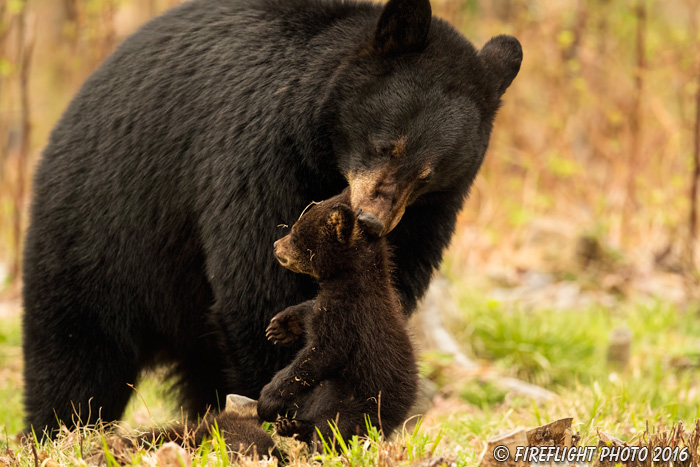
column 430, row 327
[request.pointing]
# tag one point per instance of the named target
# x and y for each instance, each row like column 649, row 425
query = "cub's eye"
column 381, row 150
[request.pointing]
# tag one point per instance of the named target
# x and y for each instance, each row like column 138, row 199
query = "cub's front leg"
column 287, row 326
column 311, row 365
column 271, row 401
column 277, row 396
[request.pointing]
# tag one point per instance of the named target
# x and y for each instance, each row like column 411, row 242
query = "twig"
column 633, row 165
column 696, row 173
column 144, row 403
column 26, row 48
column 36, row 456
column 4, row 143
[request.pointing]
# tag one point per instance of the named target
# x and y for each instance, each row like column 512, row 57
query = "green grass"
column 151, row 400
column 562, row 351
column 11, row 412
column 566, row 352
column 557, row 349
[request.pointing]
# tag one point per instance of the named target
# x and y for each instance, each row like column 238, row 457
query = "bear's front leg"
column 287, row 326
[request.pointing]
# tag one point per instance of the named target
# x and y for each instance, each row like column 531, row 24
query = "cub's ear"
column 501, row 57
column 403, row 27
column 340, row 223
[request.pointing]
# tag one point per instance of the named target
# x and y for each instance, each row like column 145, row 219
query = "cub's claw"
column 277, row 333
column 288, row 427
column 285, row 327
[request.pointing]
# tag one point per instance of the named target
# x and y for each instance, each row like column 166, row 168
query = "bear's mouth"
column 378, row 200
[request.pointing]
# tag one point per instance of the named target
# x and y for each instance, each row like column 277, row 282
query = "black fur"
column 357, row 359
column 161, row 189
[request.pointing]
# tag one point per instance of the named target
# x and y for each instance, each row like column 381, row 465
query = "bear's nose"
column 371, row 223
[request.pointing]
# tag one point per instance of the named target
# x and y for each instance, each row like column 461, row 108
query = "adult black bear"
column 357, row 358
column 162, row 186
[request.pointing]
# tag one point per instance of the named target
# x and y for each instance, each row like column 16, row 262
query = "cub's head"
column 320, row 243
column 411, row 111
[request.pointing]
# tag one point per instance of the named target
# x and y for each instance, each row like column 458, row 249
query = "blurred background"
column 592, row 165
column 580, row 231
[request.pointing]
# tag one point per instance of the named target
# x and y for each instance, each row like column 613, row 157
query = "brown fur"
column 357, row 358
column 241, row 432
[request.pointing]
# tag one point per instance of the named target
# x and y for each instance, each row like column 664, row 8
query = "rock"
column 173, row 455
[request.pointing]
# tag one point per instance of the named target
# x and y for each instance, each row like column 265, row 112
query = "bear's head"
column 410, row 112
column 321, row 243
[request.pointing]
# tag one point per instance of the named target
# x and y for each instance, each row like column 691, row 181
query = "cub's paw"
column 286, row 327
column 288, row 427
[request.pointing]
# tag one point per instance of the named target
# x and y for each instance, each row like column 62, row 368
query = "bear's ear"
column 403, row 27
column 340, row 223
column 501, row 57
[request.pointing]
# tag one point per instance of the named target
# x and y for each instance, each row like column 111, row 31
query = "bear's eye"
column 425, row 175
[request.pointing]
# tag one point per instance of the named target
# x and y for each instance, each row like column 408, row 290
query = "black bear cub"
column 239, row 428
column 357, row 357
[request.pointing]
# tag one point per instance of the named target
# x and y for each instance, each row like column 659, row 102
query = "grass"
column 555, row 348
column 10, row 376
column 565, row 351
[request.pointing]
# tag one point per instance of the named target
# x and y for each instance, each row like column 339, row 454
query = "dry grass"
column 98, row 446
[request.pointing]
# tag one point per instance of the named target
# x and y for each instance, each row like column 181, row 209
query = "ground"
column 565, row 351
